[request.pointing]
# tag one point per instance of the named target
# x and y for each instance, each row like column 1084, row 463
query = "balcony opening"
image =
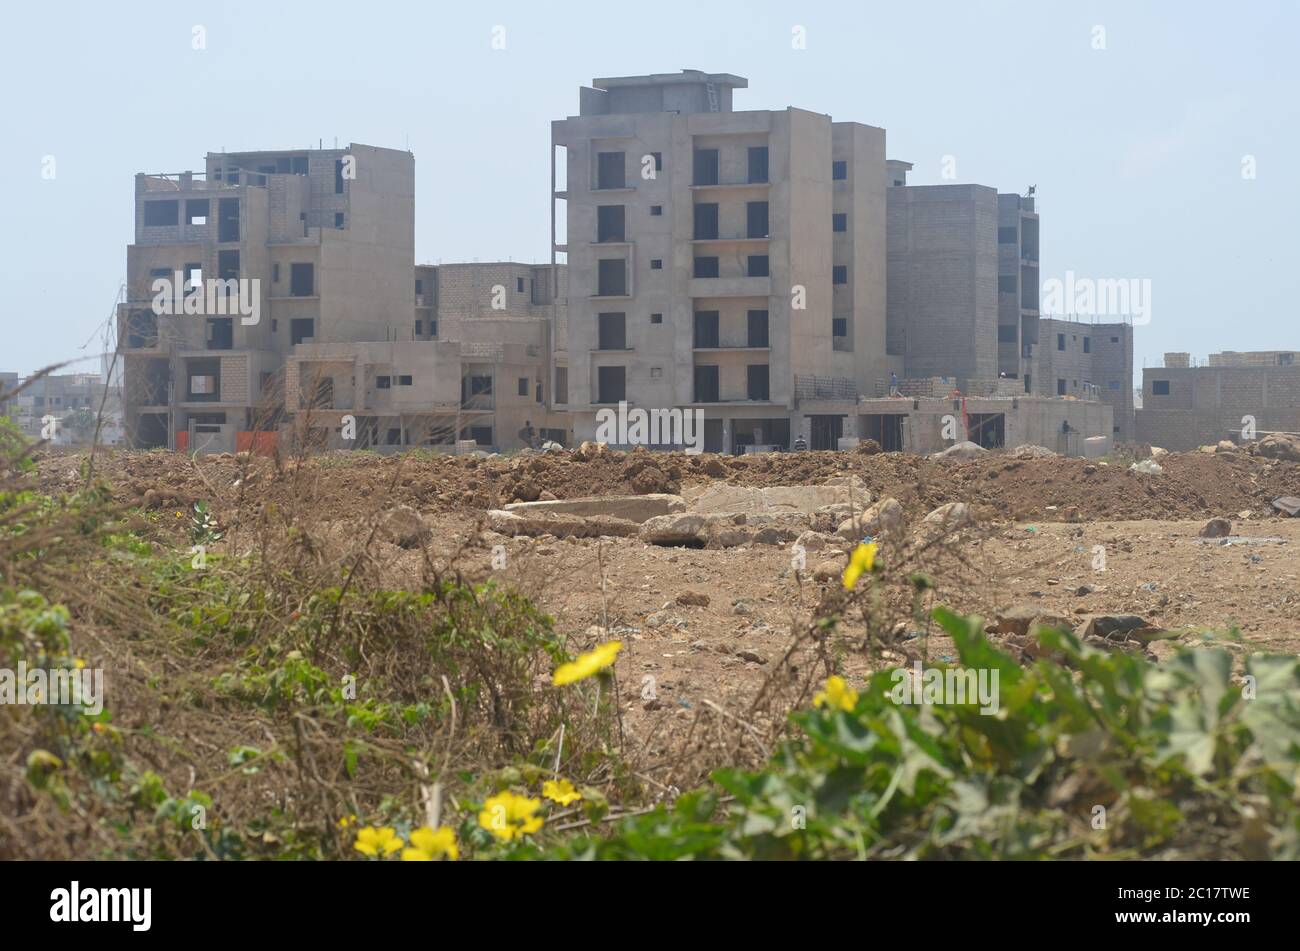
column 196, row 211
column 611, row 170
column 706, row 222
column 758, row 163
column 221, row 333
column 612, row 332
column 706, row 267
column 161, row 214
column 757, row 382
column 612, row 278
column 706, row 384
column 756, row 266
column 611, row 384
column 706, row 166
column 302, row 330
column 706, row 329
column 302, row 280
column 609, row 223
column 756, row 219
column 825, row 432
column 757, row 328
column 228, row 219
column 561, row 385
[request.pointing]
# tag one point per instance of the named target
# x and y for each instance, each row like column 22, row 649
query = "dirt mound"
column 1192, row 485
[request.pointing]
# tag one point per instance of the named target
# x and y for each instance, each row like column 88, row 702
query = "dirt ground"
column 700, row 626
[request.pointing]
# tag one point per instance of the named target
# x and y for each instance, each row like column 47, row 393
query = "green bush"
column 1103, row 754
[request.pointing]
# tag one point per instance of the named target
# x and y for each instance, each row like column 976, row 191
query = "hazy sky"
column 1137, row 150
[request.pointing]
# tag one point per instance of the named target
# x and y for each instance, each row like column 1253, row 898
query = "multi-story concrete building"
column 1085, row 361
column 1185, row 406
column 325, row 239
column 473, row 366
column 721, row 260
column 71, row 401
column 943, row 280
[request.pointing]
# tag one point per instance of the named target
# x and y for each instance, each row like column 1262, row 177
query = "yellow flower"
column 837, row 695
column 347, row 821
column 372, row 841
column 79, row 663
column 428, row 845
column 509, row 816
column 560, row 791
column 864, row 556
column 587, row 664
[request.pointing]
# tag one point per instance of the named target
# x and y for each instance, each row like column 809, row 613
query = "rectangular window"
column 404, row 381
column 656, row 264
column 706, row 222
column 1087, row 345
column 1007, row 333
column 656, row 318
column 158, row 214
column 523, row 386
column 1007, row 236
column 228, row 219
column 338, row 176
column 301, row 329
column 519, row 285
column 612, row 278
column 706, row 384
column 609, row 222
column 840, row 222
column 611, row 170
column 706, row 267
column 1006, row 283
column 659, row 161
column 611, row 384
column 1159, row 387
column 840, row 274
column 839, row 326
column 338, row 219
column 656, row 211
column 419, row 286
column 383, row 382
column 757, row 336
column 196, row 211
column 839, row 171
column 1113, row 385
column 757, row 265
column 275, row 273
column 706, row 329
column 419, row 328
column 433, row 328
column 758, row 163
column 612, row 331
column 561, row 384
column 1060, row 387
column 302, row 280
column 228, row 265
column 756, row 382
column 756, row 219
column 706, row 167
column 1060, row 341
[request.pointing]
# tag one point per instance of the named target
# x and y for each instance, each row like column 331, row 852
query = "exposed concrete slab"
column 634, row 508
column 777, row 499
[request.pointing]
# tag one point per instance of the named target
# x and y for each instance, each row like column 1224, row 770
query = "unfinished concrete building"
column 1233, row 396
column 721, row 260
column 473, row 367
column 1086, row 361
column 324, row 240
